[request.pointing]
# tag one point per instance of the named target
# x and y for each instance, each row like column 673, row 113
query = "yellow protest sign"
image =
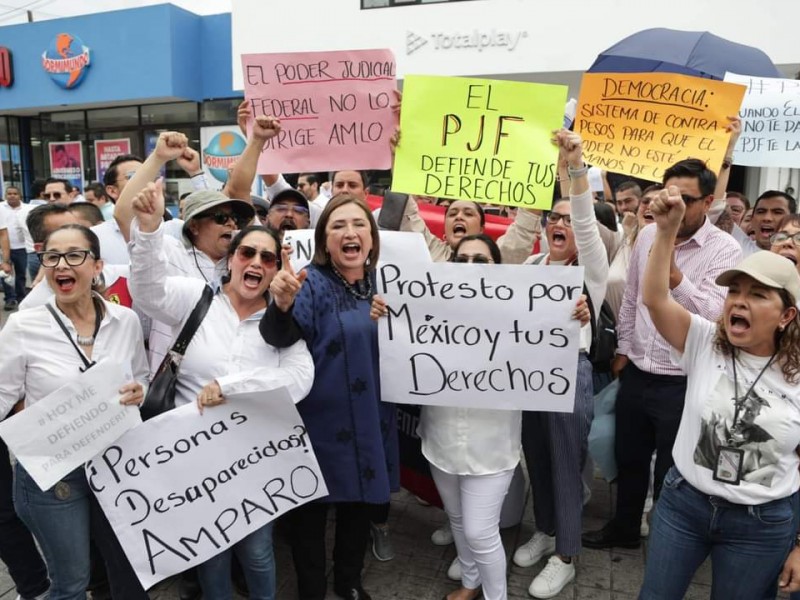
column 641, row 123
column 481, row 140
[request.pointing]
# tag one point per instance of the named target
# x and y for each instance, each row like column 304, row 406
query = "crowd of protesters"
column 703, row 287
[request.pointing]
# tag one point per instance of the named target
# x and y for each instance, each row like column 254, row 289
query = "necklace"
column 98, row 318
column 738, row 403
column 362, row 290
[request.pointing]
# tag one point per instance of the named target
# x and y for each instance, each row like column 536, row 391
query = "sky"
column 15, row 11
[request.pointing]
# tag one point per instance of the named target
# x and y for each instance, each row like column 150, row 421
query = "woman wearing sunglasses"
column 555, row 444
column 52, row 345
column 225, row 356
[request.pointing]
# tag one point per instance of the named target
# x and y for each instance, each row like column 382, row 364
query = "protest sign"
column 60, row 432
column 481, row 140
column 334, row 107
column 770, row 116
column 480, row 336
column 66, row 162
column 183, row 487
column 105, row 151
column 220, row 148
column 639, row 124
column 396, row 246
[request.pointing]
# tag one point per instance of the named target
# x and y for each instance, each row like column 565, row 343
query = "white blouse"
column 38, row 358
column 470, row 441
column 224, row 348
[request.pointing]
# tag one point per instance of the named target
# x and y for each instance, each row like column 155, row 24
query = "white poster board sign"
column 770, row 116
column 480, row 336
column 184, row 487
column 396, row 246
column 60, row 432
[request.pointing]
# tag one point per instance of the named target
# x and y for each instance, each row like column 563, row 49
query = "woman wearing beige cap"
column 732, row 493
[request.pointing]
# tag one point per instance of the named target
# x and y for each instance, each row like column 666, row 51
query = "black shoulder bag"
column 161, row 394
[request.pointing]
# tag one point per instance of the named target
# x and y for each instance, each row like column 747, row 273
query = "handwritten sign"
column 334, row 107
column 60, row 432
column 396, row 246
column 184, row 487
column 770, row 122
column 481, row 140
column 480, row 336
column 642, row 123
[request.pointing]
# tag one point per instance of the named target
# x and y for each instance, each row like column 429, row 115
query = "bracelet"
column 580, row 172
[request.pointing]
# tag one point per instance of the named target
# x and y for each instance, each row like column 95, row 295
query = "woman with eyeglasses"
column 786, row 241
column 226, row 354
column 555, row 444
column 47, row 347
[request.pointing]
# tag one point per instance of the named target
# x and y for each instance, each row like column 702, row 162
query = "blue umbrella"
column 697, row 53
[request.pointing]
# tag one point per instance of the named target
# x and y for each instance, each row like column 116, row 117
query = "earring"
column 781, row 328
column 368, row 262
column 96, row 280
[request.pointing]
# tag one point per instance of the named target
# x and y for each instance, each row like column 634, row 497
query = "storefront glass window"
column 106, row 118
column 174, row 112
column 219, row 112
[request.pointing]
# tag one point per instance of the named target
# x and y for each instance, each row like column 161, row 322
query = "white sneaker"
column 534, row 549
column 552, row 578
column 644, row 527
column 443, row 536
column 454, row 571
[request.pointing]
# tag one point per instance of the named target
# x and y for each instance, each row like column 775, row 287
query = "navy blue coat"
column 353, row 433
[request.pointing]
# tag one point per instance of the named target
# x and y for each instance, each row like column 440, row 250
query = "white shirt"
column 772, row 421
column 223, row 348
column 18, row 235
column 748, row 245
column 44, row 360
column 470, row 441
column 113, row 248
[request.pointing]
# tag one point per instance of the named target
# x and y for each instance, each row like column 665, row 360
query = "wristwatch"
column 727, row 162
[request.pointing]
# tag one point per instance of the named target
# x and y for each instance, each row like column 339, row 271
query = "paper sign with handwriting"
column 184, row 487
column 480, row 336
column 639, row 124
column 481, row 140
column 335, row 108
column 396, row 246
column 770, row 122
column 57, row 434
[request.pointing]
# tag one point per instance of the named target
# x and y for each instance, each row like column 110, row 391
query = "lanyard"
column 736, row 402
column 98, row 318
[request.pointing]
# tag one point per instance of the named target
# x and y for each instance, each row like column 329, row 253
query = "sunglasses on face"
column 53, row 195
column 74, row 258
column 478, row 259
column 283, row 209
column 221, row 218
column 782, row 236
column 268, row 259
column 687, row 199
column 554, row 217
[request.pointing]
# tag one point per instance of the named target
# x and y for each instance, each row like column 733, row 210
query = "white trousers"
column 473, row 504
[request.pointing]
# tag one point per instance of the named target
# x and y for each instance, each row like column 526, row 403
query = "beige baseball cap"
column 769, row 268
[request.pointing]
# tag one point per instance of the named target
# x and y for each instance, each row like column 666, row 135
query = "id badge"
column 729, row 465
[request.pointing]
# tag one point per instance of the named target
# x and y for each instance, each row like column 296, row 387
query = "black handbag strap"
column 193, row 322
column 86, row 363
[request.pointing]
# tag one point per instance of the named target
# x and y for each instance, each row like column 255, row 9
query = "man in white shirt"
column 15, row 214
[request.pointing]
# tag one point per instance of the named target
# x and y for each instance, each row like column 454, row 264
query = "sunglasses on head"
column 268, row 259
column 478, row 259
column 221, row 218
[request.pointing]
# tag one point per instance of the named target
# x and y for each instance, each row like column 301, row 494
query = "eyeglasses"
column 282, row 209
column 127, row 176
column 53, row 195
column 687, row 199
column 222, row 217
column 74, row 258
column 554, row 217
column 268, row 259
column 478, row 259
column 782, row 236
